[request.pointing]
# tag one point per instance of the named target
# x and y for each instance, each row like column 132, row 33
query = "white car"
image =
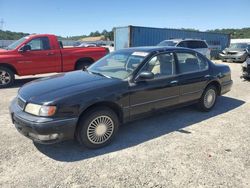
column 198, row 45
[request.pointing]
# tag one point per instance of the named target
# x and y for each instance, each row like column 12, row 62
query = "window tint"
column 183, row 44
column 189, row 62
column 41, row 43
column 161, row 65
column 196, row 44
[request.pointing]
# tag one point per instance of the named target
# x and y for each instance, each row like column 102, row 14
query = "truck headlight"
column 40, row 110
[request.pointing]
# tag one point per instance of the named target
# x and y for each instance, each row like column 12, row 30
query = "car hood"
column 59, row 86
column 234, row 50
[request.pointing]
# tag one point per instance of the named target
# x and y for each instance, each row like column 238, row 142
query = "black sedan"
column 123, row 86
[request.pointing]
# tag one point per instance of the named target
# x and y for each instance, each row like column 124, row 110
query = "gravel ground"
column 179, row 148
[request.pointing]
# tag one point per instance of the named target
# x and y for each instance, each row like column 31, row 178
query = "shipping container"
column 134, row 36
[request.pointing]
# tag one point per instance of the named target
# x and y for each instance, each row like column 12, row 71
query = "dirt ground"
column 179, row 148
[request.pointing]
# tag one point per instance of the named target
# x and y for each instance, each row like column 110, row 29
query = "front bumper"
column 246, row 71
column 235, row 57
column 42, row 129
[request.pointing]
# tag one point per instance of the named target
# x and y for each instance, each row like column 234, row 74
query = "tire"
column 7, row 77
column 97, row 128
column 83, row 65
column 208, row 98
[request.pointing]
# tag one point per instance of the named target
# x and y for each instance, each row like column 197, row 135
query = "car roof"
column 179, row 40
column 153, row 49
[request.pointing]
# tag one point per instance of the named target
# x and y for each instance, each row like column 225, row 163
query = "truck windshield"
column 238, row 45
column 119, row 64
column 15, row 44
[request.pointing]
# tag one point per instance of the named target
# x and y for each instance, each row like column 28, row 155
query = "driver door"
column 41, row 58
column 160, row 92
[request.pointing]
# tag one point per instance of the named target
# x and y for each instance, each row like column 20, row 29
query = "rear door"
column 193, row 75
column 41, row 58
column 160, row 92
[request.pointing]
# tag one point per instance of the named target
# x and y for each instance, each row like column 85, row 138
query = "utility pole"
column 1, row 24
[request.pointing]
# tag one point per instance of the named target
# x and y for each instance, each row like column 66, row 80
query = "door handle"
column 50, row 53
column 174, row 82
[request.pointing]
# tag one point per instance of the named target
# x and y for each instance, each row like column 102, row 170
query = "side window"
column 189, row 62
column 183, row 44
column 161, row 65
column 193, row 44
column 200, row 44
column 41, row 43
column 196, row 44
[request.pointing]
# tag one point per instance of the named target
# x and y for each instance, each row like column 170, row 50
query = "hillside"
column 9, row 35
column 235, row 33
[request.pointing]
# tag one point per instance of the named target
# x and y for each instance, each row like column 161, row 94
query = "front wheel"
column 7, row 77
column 97, row 127
column 82, row 65
column 208, row 99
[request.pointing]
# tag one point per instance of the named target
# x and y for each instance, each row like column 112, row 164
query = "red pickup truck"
column 43, row 53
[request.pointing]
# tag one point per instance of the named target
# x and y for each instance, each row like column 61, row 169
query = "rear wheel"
column 97, row 127
column 208, row 98
column 7, row 77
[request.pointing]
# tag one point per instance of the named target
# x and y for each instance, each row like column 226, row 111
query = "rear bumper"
column 226, row 87
column 227, row 57
column 40, row 129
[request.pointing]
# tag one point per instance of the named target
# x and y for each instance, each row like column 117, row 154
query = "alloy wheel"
column 100, row 129
column 209, row 98
column 5, row 77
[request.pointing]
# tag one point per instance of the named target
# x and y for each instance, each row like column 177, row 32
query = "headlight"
column 244, row 64
column 241, row 53
column 40, row 110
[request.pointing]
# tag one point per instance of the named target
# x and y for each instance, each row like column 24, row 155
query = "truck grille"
column 21, row 103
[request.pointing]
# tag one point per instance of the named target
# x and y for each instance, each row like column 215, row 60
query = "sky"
column 79, row 17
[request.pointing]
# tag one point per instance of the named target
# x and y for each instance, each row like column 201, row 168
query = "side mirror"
column 145, row 75
column 25, row 48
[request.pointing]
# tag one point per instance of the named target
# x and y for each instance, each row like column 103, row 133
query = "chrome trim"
column 192, row 92
column 162, row 99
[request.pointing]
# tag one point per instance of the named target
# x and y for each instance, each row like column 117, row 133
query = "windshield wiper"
column 98, row 73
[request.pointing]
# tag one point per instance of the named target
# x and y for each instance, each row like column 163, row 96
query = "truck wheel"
column 82, row 65
column 7, row 77
column 208, row 98
column 97, row 127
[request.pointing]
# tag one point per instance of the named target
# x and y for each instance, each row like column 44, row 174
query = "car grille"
column 231, row 53
column 21, row 103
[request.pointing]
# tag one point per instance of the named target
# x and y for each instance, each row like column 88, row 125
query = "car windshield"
column 238, row 45
column 119, row 64
column 15, row 44
column 167, row 43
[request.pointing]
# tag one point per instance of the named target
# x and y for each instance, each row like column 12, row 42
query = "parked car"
column 195, row 44
column 123, row 86
column 246, row 69
column 87, row 45
column 237, row 52
column 43, row 53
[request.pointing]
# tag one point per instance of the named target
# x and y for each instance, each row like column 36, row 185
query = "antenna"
column 1, row 24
